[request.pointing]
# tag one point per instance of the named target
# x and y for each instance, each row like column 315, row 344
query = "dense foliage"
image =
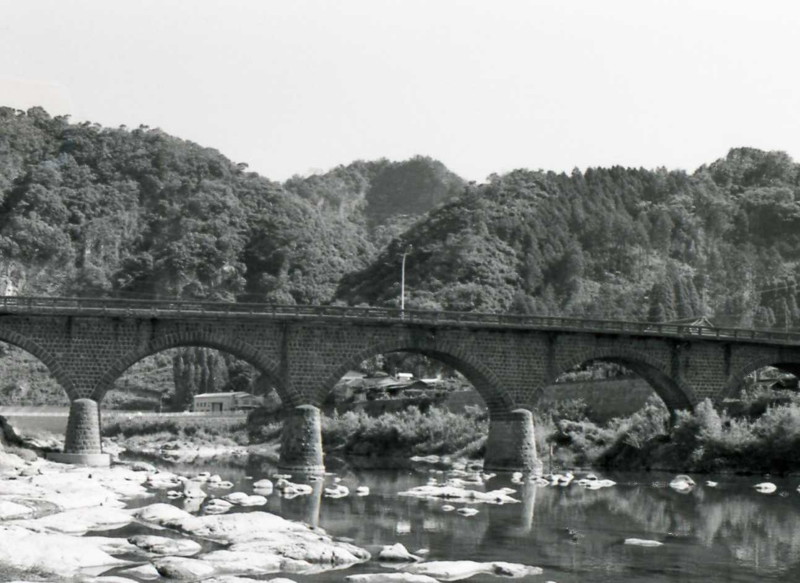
column 616, row 243
column 137, row 213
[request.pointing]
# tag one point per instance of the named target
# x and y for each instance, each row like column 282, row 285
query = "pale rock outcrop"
column 146, row 572
column 10, row 509
column 458, row 494
column 396, row 553
column 259, row 542
column 641, row 542
column 78, row 521
column 390, row 578
column 54, row 553
column 455, row 570
column 161, row 545
column 183, row 568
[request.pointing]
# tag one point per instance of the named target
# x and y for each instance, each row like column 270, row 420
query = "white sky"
column 294, row 86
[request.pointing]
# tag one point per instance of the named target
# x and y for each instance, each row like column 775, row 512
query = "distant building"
column 225, row 402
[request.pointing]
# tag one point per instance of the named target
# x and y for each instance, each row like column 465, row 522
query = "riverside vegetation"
column 759, row 433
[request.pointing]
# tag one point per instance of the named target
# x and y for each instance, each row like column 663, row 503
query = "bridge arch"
column 675, row 393
column 36, row 350
column 482, row 378
column 237, row 348
column 735, row 382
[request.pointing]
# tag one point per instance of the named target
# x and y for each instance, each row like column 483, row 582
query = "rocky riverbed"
column 58, row 524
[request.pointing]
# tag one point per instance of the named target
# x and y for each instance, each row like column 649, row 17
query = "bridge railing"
column 183, row 308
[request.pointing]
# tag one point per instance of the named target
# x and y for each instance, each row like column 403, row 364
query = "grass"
column 195, row 429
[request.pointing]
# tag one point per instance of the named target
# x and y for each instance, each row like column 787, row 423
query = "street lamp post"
column 403, row 279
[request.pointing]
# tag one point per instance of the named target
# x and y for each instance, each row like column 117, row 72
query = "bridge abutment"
column 301, row 441
column 82, row 444
column 511, row 445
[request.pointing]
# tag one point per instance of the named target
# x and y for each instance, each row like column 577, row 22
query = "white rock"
column 466, row 511
column 258, row 540
column 183, row 569
column 454, row 570
column 217, row 506
column 193, row 490
column 254, row 500
column 78, row 521
column 161, row 545
column 54, row 553
column 145, row 572
column 362, row 491
column 390, row 578
column 641, row 542
column 264, row 485
column 765, row 487
column 682, row 483
column 235, row 497
column 397, row 553
column 10, row 510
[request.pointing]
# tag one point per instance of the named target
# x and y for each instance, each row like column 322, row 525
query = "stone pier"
column 511, row 445
column 301, row 441
column 82, row 444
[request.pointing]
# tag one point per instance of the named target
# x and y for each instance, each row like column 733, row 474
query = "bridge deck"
column 35, row 306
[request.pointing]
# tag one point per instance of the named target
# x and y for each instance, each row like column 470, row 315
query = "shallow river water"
column 726, row 533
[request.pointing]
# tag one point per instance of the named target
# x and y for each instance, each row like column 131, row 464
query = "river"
column 711, row 534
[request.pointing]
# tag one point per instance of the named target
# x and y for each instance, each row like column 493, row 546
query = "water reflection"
column 711, row 534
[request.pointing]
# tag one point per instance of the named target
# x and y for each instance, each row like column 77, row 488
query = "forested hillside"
column 618, row 243
column 87, row 210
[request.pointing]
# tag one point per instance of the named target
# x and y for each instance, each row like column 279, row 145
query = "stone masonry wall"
column 305, row 357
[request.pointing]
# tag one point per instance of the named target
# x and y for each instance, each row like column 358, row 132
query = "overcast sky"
column 298, row 86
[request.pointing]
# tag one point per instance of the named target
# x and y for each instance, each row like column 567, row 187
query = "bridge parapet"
column 182, row 309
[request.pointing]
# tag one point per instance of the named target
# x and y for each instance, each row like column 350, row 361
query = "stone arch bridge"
column 304, row 350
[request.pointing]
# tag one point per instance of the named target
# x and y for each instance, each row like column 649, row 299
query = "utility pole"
column 403, row 278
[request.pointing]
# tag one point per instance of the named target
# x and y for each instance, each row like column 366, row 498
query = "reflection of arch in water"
column 234, row 347
column 482, row 378
column 43, row 355
column 674, row 392
column 735, row 382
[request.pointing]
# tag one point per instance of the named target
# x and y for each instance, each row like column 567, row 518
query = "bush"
column 195, row 428
column 407, row 432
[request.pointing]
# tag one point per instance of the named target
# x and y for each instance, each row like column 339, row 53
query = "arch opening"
column 170, row 380
column 25, row 380
column 234, row 349
column 760, row 385
column 457, row 371
column 393, row 380
column 613, row 386
column 411, row 401
column 32, row 398
column 145, row 403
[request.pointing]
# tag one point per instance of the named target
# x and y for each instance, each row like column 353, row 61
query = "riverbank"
column 758, row 434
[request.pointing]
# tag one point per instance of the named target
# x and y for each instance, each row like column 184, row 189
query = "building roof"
column 217, row 395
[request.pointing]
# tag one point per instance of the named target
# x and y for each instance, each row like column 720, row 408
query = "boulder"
column 161, row 545
column 183, row 569
column 396, row 553
column 146, row 572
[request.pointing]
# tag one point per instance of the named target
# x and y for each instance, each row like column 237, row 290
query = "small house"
column 225, row 402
